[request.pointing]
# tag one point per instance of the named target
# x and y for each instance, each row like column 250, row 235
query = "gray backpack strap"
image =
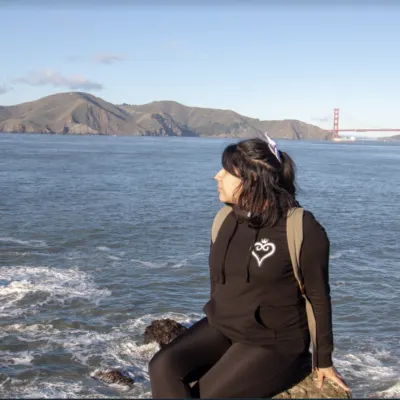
column 218, row 220
column 294, row 231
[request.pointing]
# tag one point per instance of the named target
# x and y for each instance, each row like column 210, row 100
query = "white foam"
column 50, row 390
column 28, row 332
column 31, row 243
column 149, row 263
column 21, row 358
column 103, row 248
column 113, row 258
column 25, row 253
column 336, row 255
column 392, row 392
column 118, row 349
column 54, row 284
column 367, row 368
column 167, row 261
column 139, row 324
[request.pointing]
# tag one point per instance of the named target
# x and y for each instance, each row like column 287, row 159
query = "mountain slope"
column 82, row 113
column 214, row 122
column 72, row 112
column 394, row 137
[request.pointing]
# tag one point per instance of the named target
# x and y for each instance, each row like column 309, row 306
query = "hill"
column 394, row 137
column 83, row 113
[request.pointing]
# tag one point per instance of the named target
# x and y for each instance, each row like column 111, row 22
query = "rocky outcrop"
column 113, row 377
column 163, row 331
column 307, row 388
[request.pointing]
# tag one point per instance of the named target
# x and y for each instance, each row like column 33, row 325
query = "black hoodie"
column 255, row 297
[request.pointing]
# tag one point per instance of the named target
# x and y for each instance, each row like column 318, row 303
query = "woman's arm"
column 314, row 262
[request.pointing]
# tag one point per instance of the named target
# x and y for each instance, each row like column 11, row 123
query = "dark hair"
column 268, row 187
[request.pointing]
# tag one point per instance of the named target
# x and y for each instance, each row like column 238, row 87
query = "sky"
column 263, row 59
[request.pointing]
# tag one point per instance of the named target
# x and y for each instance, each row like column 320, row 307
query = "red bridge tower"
column 335, row 123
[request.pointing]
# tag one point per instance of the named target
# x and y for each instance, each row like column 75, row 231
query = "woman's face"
column 228, row 186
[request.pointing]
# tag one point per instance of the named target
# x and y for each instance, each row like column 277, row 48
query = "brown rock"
column 305, row 387
column 113, row 376
column 163, row 331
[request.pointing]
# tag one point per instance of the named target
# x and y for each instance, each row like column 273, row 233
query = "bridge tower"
column 335, row 123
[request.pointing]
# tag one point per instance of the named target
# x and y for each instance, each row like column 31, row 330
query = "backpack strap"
column 294, row 231
column 218, row 220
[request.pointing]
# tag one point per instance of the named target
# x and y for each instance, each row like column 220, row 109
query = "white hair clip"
column 272, row 146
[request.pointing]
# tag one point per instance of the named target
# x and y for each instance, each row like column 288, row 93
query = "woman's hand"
column 331, row 374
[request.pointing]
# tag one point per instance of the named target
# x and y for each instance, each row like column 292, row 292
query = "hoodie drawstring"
column 226, row 252
column 256, row 233
column 248, row 261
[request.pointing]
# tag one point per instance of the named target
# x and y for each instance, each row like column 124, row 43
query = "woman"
column 255, row 336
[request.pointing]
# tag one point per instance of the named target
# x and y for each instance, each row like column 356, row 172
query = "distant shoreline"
column 358, row 140
column 154, row 136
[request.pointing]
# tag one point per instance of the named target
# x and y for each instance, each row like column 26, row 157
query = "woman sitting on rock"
column 255, row 337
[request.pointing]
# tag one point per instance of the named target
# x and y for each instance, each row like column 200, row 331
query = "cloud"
column 107, row 58
column 54, row 78
column 97, row 58
column 73, row 58
column 171, row 45
column 323, row 119
column 5, row 89
column 183, row 49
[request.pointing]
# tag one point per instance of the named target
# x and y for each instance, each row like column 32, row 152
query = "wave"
column 171, row 262
column 392, row 392
column 30, row 243
column 47, row 284
column 366, row 367
column 122, row 348
column 94, row 350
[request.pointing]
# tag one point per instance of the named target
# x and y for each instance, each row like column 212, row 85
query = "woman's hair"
column 268, row 188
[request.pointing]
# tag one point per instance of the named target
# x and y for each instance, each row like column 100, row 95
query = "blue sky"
column 261, row 60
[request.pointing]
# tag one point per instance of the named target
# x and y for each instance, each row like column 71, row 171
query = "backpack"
column 294, row 229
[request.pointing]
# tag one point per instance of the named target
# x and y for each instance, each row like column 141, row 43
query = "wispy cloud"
column 73, row 58
column 104, row 58
column 5, row 89
column 321, row 119
column 107, row 58
column 182, row 49
column 54, row 78
column 172, row 45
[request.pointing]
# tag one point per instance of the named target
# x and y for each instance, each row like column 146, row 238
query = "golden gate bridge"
column 336, row 129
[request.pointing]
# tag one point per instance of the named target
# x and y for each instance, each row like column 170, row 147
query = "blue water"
column 99, row 235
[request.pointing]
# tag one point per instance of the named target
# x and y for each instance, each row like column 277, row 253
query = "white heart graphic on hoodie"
column 267, row 247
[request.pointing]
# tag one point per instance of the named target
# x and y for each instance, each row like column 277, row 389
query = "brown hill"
column 214, row 122
column 394, row 137
column 82, row 113
column 72, row 112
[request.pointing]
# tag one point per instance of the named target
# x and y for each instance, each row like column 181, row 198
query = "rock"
column 163, row 331
column 113, row 376
column 304, row 385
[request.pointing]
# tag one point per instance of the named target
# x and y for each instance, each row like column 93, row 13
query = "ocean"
column 100, row 235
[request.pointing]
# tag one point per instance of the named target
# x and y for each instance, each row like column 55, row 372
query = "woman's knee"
column 162, row 362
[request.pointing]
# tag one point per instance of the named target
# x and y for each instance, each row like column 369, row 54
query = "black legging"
column 220, row 367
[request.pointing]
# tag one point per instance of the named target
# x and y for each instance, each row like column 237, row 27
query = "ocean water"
column 101, row 235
